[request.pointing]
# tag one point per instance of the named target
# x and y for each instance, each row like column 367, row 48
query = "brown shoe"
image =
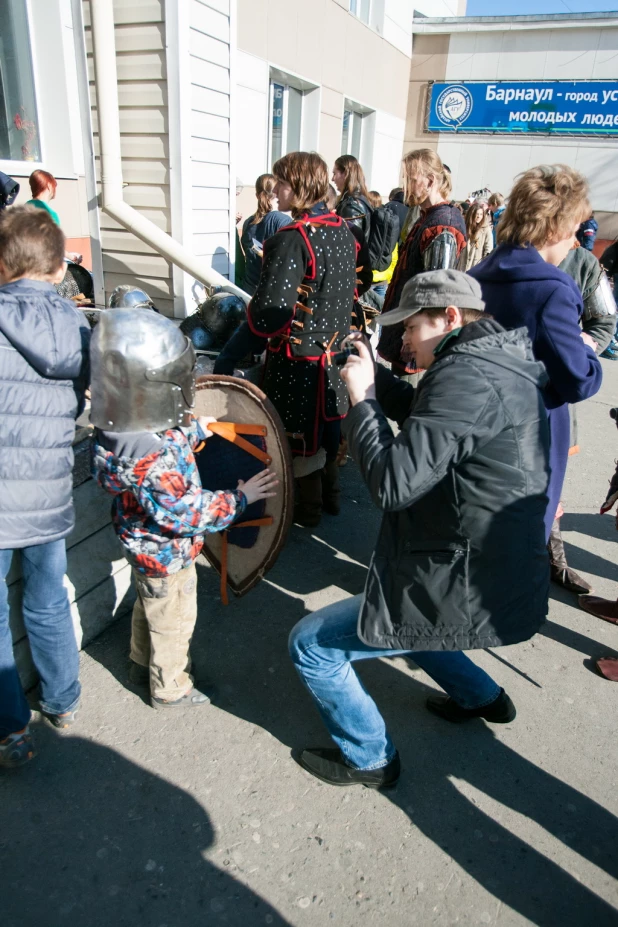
column 600, row 608
column 608, row 667
column 561, row 573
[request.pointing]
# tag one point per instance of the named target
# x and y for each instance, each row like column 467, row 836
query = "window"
column 361, row 9
column 19, row 125
column 293, row 119
column 354, row 128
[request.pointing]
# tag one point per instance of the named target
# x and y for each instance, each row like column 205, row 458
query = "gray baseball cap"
column 435, row 289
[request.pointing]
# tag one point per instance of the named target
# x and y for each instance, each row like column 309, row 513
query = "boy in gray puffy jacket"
column 43, row 376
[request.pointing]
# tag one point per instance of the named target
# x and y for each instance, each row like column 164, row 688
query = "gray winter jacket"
column 43, row 374
column 460, row 561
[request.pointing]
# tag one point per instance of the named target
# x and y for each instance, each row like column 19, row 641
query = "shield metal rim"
column 286, row 484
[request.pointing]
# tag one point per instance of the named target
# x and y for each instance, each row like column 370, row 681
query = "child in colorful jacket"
column 160, row 511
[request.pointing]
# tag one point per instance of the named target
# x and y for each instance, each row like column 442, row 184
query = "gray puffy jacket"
column 461, row 561
column 43, row 374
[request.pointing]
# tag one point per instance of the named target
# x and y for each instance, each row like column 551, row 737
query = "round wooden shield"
column 248, row 436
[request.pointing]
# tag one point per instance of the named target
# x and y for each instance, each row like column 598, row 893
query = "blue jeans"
column 380, row 288
column 49, row 626
column 323, row 647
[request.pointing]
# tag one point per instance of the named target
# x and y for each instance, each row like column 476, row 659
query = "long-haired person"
column 303, row 304
column 480, row 238
column 353, row 204
column 266, row 220
column 434, row 242
column 523, row 288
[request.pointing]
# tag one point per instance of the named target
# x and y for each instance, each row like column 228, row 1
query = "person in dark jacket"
column 523, row 287
column 466, row 474
column 353, row 204
column 397, row 205
column 43, row 376
column 303, row 304
column 428, row 185
column 587, row 233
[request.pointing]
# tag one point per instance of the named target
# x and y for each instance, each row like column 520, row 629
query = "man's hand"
column 586, row 338
column 204, row 421
column 358, row 373
column 259, row 486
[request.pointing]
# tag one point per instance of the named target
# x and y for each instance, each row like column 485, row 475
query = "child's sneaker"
column 16, row 749
column 65, row 719
column 611, row 351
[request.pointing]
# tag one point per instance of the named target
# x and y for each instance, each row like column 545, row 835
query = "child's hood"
column 118, row 457
column 46, row 329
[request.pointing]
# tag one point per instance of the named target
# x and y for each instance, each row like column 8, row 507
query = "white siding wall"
column 142, row 91
column 559, row 54
column 387, row 145
column 212, row 188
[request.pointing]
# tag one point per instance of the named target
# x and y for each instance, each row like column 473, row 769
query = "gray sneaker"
column 193, row 699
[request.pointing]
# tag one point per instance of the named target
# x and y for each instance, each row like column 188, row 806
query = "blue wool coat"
column 521, row 289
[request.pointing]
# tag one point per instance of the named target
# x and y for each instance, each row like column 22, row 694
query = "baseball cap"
column 435, row 289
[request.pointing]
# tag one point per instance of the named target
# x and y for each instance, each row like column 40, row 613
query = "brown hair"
column 39, row 182
column 264, row 187
column 472, row 226
column 426, row 161
column 394, row 192
column 467, row 315
column 307, row 174
column 496, row 199
column 545, row 203
column 374, row 198
column 354, row 176
column 30, row 242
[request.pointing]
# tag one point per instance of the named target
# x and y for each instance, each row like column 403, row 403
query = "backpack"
column 383, row 236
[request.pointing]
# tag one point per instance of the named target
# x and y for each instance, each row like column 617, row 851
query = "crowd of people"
column 491, row 319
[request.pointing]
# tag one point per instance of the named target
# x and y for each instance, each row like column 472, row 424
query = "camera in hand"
column 341, row 357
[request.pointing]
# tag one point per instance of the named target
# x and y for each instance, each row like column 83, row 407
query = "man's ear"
column 453, row 317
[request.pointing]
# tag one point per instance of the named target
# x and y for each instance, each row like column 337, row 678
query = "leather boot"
column 330, row 488
column 308, row 507
column 600, row 608
column 561, row 573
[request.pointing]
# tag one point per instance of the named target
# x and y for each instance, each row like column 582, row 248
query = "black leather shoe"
column 327, row 764
column 500, row 711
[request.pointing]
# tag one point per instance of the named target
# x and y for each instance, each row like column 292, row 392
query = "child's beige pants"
column 164, row 617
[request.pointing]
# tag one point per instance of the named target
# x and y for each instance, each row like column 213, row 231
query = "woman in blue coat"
column 523, row 288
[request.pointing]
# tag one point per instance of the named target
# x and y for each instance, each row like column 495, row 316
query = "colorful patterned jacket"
column 160, row 511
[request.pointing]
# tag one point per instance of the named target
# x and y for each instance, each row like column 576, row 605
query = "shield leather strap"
column 243, row 413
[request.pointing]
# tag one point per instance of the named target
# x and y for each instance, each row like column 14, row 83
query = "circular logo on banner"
column 454, row 105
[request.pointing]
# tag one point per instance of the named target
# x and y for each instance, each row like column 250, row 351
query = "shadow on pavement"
column 90, row 838
column 591, row 524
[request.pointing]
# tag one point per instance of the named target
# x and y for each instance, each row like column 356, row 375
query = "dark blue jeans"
column 49, row 626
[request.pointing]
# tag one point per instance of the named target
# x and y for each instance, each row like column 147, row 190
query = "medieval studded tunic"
column 304, row 303
column 431, row 222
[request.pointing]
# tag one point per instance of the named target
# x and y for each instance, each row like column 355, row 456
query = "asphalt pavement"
column 144, row 818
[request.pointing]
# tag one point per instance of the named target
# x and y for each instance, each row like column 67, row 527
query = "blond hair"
column 426, row 161
column 544, row 205
column 307, row 174
column 264, row 191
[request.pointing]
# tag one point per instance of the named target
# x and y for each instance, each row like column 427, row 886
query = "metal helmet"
column 221, row 314
column 126, row 296
column 143, row 373
column 441, row 253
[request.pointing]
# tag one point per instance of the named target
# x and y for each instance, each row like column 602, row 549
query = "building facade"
column 502, row 51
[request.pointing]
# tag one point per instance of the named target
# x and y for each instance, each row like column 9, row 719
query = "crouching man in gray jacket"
column 460, row 563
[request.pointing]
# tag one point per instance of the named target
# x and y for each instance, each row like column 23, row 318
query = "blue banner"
column 546, row 107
